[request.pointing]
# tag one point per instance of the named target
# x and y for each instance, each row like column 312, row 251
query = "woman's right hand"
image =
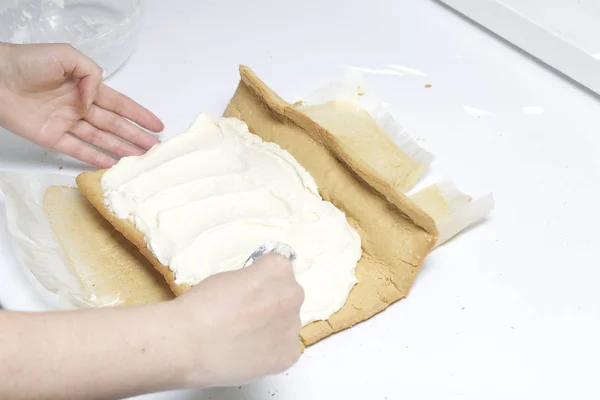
column 241, row 325
column 230, row 329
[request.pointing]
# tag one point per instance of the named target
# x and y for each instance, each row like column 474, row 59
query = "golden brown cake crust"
column 90, row 185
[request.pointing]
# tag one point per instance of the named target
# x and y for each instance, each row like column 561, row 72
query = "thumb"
column 85, row 71
column 88, row 88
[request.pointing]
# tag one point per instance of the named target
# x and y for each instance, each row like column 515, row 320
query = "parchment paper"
column 87, row 263
column 35, row 243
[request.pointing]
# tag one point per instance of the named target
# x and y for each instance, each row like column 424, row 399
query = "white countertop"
column 564, row 34
column 512, row 307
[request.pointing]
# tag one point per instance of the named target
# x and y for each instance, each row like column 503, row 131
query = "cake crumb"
column 462, row 308
column 428, row 86
column 59, row 168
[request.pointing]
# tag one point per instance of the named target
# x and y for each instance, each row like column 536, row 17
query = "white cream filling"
column 206, row 199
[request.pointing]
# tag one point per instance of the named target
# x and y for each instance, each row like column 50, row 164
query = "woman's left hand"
column 53, row 95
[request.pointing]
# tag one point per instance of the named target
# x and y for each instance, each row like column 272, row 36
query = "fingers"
column 75, row 148
column 276, row 276
column 273, row 264
column 118, row 103
column 110, row 122
column 276, row 266
column 103, row 140
column 89, row 74
column 87, row 88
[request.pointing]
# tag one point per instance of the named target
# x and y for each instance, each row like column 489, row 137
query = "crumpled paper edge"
column 36, row 245
column 463, row 210
column 352, row 88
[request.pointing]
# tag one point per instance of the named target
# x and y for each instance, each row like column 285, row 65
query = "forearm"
column 106, row 353
column 4, row 55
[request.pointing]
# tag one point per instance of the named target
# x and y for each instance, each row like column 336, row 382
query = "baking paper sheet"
column 36, row 245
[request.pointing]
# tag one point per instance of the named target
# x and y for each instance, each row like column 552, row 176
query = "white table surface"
column 512, row 307
column 564, row 34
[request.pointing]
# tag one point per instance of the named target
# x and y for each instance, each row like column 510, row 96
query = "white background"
column 511, row 307
column 563, row 33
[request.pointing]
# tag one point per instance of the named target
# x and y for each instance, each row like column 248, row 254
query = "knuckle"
column 277, row 260
column 97, row 69
column 294, row 295
column 275, row 266
column 300, row 295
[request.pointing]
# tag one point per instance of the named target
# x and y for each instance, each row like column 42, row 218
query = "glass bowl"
column 105, row 30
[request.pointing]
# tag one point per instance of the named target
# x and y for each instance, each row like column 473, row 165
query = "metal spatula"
column 272, row 247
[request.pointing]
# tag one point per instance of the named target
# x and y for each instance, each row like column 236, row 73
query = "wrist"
column 191, row 339
column 172, row 342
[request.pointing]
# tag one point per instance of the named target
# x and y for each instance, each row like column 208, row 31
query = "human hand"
column 230, row 329
column 243, row 325
column 53, row 95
